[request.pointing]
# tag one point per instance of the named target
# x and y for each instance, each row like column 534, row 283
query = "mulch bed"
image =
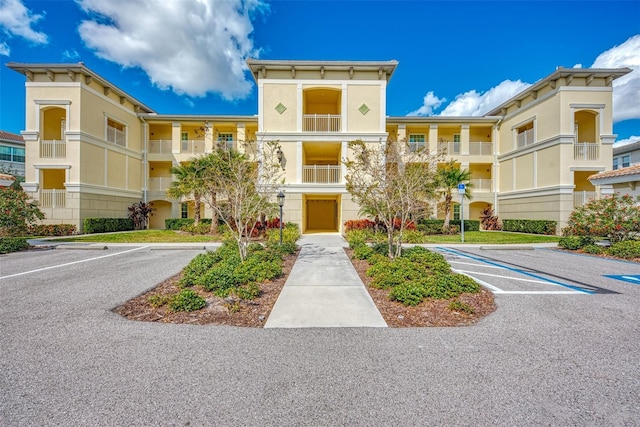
column 227, row 311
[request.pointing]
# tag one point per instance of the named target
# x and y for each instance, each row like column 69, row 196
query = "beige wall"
column 549, row 166
column 92, row 168
column 364, row 94
column 280, row 93
column 555, row 207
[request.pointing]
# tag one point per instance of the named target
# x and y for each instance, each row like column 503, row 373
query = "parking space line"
column 494, row 289
column 71, row 263
column 544, row 282
column 476, row 265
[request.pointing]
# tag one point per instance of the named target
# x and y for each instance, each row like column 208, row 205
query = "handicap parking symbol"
column 629, row 278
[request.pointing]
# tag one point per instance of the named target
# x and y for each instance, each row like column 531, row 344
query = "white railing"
column 159, row 183
column 524, row 138
column 581, row 198
column 116, row 136
column 586, row 151
column 53, row 149
column 53, row 198
column 160, row 146
column 481, row 184
column 193, row 146
column 321, row 174
column 481, row 148
column 449, row 148
column 321, row 123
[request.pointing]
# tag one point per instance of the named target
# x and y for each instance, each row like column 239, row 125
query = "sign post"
column 461, row 191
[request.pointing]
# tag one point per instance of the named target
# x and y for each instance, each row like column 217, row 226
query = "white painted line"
column 70, row 263
column 544, row 292
column 494, row 289
column 635, row 279
column 510, row 278
column 476, row 265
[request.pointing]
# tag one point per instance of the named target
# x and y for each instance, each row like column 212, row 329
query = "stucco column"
column 464, row 140
column 433, row 138
column 299, row 162
column 176, row 129
column 241, row 138
column 402, row 133
column 209, row 137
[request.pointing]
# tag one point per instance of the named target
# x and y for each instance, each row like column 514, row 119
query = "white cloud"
column 430, row 102
column 70, row 54
column 4, row 49
column 626, row 89
column 16, row 21
column 630, row 140
column 192, row 47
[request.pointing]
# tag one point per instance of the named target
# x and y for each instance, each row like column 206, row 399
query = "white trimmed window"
column 416, row 141
column 116, row 132
column 184, row 141
column 525, row 134
column 226, row 139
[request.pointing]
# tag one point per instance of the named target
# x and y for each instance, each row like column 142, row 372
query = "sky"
column 456, row 58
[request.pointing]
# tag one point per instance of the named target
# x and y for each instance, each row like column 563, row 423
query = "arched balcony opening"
column 586, row 131
column 322, row 110
column 53, row 123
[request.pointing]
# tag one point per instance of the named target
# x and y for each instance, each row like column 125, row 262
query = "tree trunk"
column 390, row 241
column 196, row 209
column 447, row 212
column 214, row 214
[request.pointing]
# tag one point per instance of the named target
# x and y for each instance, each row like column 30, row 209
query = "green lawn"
column 492, row 237
column 144, row 236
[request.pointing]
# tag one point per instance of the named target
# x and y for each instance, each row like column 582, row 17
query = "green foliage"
column 17, row 211
column 434, row 226
column 413, row 236
column 409, row 293
column 616, row 217
column 362, row 251
column 445, row 286
column 248, row 292
column 159, row 300
column 532, row 226
column 627, row 249
column 593, row 249
column 52, row 230
column 139, row 213
column 107, row 225
column 201, row 228
column 574, row 243
column 178, row 223
column 13, row 244
column 461, row 306
column 186, row 300
column 194, row 271
column 290, row 235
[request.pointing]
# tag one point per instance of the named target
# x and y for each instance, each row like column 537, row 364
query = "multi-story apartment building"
column 93, row 150
column 11, row 154
column 626, row 155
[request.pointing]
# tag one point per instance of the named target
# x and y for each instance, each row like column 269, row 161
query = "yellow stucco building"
column 92, row 150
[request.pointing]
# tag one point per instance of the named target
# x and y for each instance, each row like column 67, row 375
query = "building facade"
column 12, row 156
column 93, row 150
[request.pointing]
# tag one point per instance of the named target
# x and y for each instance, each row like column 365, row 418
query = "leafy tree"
column 391, row 182
column 17, row 211
column 449, row 176
column 140, row 213
column 616, row 217
column 189, row 182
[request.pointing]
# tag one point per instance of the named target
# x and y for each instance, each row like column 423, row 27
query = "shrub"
column 489, row 220
column 409, row 293
column 107, row 225
column 139, row 213
column 17, row 211
column 13, row 244
column 461, row 306
column 195, row 270
column 201, row 228
column 575, row 242
column 177, row 223
column 531, row 226
column 413, row 236
column 627, row 249
column 434, row 226
column 359, row 224
column 248, row 292
column 52, row 230
column 186, row 300
column 616, row 217
column 445, row 286
column 362, row 251
column 593, row 249
column 360, row 237
column 290, row 236
column 159, row 300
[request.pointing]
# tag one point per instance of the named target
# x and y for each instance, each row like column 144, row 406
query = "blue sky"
column 455, row 58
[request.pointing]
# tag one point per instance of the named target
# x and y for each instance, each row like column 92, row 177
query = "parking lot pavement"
column 540, row 359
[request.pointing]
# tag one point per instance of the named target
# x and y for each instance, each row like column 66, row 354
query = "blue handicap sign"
column 629, row 278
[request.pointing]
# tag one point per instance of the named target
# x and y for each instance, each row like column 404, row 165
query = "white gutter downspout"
column 495, row 167
column 144, row 159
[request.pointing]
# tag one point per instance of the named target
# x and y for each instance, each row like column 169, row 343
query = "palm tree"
column 449, row 176
column 188, row 183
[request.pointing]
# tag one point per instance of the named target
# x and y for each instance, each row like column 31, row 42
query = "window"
column 12, row 154
column 625, row 161
column 524, row 135
column 227, row 138
column 184, row 141
column 456, row 212
column 616, row 162
column 116, row 132
column 416, row 142
column 456, row 143
column 184, row 210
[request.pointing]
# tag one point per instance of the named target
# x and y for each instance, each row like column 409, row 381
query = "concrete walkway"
column 324, row 290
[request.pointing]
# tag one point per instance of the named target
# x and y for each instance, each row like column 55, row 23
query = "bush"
column 593, row 249
column 359, row 224
column 52, row 230
column 413, row 236
column 446, row 286
column 159, row 300
column 201, row 228
column 13, row 244
column 290, row 236
column 248, row 292
column 531, row 226
column 574, row 243
column 627, row 249
column 409, row 293
column 362, row 251
column 177, row 223
column 434, row 226
column 460, row 306
column 17, row 211
column 186, row 300
column 107, row 225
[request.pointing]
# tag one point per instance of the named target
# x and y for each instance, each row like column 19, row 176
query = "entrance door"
column 322, row 215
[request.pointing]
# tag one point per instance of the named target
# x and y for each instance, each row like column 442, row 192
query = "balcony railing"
column 160, row 146
column 586, row 151
column 53, row 198
column 321, row 123
column 321, row 174
column 449, row 148
column 581, row 198
column 525, row 138
column 192, row 146
column 117, row 136
column 481, row 148
column 159, row 183
column 53, row 149
column 481, row 184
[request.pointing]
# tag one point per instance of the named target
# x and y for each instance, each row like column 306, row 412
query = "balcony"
column 586, row 151
column 481, row 185
column 581, row 198
column 449, row 148
column 53, row 198
column 525, row 138
column 159, row 183
column 481, row 148
column 192, row 146
column 117, row 136
column 321, row 123
column 53, row 149
column 321, row 174
column 160, row 146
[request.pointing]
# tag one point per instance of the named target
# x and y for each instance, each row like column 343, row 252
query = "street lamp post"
column 281, row 204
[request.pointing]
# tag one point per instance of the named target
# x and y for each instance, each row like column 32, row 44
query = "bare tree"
column 393, row 182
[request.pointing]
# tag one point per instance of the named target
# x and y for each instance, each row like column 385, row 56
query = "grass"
column 143, row 236
column 492, row 237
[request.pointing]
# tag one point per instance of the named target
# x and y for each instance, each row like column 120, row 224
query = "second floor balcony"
column 481, row 185
column 159, row 183
column 321, row 174
column 586, row 151
column 53, row 198
column 321, row 123
column 53, row 149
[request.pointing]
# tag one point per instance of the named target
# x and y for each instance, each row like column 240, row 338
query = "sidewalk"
column 324, row 290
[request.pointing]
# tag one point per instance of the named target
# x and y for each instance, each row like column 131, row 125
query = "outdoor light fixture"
column 281, row 204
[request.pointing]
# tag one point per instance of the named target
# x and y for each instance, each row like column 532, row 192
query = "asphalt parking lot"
column 562, row 349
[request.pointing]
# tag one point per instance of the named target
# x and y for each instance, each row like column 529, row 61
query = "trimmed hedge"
column 52, row 230
column 434, row 226
column 531, row 226
column 107, row 225
column 177, row 223
column 13, row 244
